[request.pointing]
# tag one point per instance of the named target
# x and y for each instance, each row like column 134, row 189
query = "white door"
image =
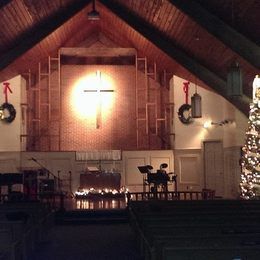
column 214, row 167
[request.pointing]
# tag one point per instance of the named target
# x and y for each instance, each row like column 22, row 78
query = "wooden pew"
column 11, row 246
column 29, row 224
column 22, row 232
column 166, row 228
column 42, row 219
column 170, row 253
column 150, row 238
column 157, row 242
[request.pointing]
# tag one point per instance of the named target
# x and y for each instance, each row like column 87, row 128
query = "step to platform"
column 79, row 217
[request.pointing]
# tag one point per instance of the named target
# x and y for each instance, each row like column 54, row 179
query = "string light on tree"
column 250, row 161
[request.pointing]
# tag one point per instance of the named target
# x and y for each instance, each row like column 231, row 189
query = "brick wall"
column 117, row 124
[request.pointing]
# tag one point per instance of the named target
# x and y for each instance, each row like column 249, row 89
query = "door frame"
column 203, row 158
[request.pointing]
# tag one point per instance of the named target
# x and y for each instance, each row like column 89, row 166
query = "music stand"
column 145, row 169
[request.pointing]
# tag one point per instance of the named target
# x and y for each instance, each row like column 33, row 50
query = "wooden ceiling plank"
column 176, row 26
column 9, row 23
column 167, row 17
column 67, row 29
column 17, row 18
column 231, row 38
column 190, row 38
column 145, row 9
column 157, row 13
column 48, row 6
column 27, row 19
column 152, row 7
column 137, row 6
column 161, row 15
column 57, row 35
column 79, row 37
column 169, row 47
column 31, row 8
column 63, row 36
column 5, row 35
column 8, row 38
column 179, row 30
column 40, row 32
column 171, row 22
column 172, row 28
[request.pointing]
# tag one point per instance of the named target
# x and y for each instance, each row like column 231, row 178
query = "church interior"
column 130, row 117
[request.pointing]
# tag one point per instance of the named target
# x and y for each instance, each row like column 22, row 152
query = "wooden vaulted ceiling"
column 195, row 39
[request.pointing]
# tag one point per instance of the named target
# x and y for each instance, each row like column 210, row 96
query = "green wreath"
column 11, row 110
column 184, row 118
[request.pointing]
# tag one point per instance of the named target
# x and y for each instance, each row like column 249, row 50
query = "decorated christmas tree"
column 250, row 161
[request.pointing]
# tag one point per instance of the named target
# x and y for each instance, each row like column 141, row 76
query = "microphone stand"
column 47, row 170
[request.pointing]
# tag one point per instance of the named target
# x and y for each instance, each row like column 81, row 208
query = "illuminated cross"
column 99, row 92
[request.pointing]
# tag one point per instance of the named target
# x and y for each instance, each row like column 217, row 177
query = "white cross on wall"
column 99, row 91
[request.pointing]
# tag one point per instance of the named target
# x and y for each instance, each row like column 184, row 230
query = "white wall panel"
column 132, row 159
column 133, row 176
column 189, row 170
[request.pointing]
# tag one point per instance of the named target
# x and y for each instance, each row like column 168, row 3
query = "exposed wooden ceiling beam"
column 230, row 37
column 4, row 2
column 169, row 47
column 98, row 52
column 41, row 31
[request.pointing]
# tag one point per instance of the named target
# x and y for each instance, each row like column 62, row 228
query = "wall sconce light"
column 208, row 124
column 196, row 105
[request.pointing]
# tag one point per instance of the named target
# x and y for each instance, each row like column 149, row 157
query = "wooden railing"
column 172, row 195
column 54, row 200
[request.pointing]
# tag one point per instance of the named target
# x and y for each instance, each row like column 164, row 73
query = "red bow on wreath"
column 6, row 89
column 186, row 90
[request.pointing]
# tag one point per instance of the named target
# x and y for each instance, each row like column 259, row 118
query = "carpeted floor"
column 87, row 242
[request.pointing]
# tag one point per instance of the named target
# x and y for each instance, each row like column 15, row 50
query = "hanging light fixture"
column 234, row 81
column 234, row 75
column 93, row 14
column 196, row 105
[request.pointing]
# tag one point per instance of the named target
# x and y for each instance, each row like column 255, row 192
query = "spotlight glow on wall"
column 91, row 97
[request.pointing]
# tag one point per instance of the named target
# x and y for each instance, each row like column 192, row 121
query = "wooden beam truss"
column 169, row 47
column 245, row 48
column 42, row 30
